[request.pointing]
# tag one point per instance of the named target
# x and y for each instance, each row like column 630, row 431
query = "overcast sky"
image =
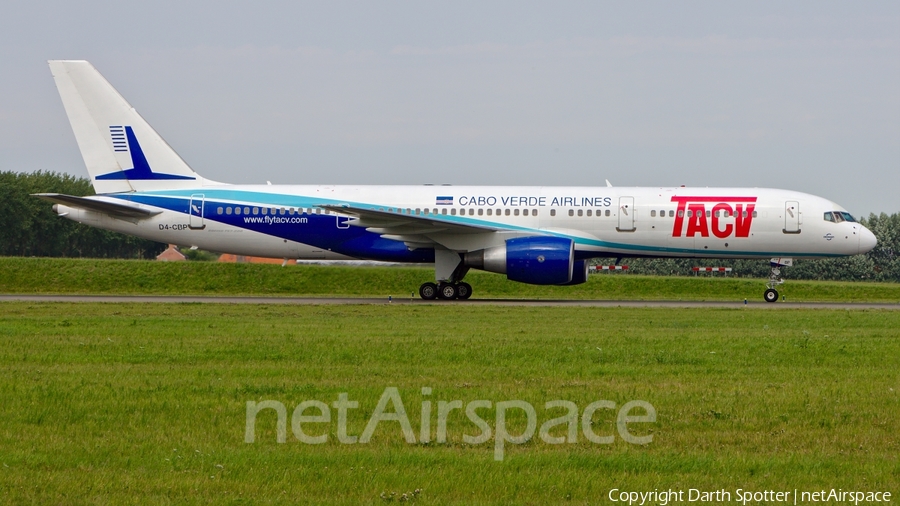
column 799, row 95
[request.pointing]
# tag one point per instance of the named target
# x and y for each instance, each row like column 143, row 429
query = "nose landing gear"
column 775, row 279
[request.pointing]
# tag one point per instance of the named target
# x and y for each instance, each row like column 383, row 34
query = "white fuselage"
column 602, row 221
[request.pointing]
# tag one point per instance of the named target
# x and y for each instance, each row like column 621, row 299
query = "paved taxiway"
column 188, row 299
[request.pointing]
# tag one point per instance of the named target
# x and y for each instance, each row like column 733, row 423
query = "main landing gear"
column 450, row 269
column 445, row 291
column 775, row 279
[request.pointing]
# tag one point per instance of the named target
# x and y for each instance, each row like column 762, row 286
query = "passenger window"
column 681, row 214
column 588, row 212
column 653, row 213
column 754, row 214
column 580, row 212
column 553, row 212
column 571, row 212
column 227, row 210
column 707, row 214
column 291, row 210
column 220, row 210
column 237, row 210
column 671, row 213
column 690, row 213
column 255, row 210
column 453, row 212
column 607, row 212
column 246, row 210
column 507, row 212
column 525, row 212
column 489, row 212
column 516, row 212
column 534, row 212
column 444, row 211
column 480, row 212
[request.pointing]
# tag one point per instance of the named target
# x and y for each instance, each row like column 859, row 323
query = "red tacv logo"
column 727, row 216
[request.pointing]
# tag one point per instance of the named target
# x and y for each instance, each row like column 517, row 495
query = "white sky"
column 800, row 95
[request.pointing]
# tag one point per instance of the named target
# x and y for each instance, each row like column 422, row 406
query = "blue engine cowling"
column 540, row 260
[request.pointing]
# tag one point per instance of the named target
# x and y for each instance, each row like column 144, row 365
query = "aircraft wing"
column 385, row 222
column 121, row 209
column 416, row 230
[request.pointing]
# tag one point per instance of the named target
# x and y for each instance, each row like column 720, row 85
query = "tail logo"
column 124, row 140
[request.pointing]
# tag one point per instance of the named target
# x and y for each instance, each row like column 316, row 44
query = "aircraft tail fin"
column 121, row 150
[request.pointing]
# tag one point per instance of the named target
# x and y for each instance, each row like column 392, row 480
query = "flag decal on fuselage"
column 444, row 201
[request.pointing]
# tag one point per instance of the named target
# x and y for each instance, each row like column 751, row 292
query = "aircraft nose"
column 867, row 240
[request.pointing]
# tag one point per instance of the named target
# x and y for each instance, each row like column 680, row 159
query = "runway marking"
column 188, row 299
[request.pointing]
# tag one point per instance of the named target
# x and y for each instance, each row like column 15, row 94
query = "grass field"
column 146, row 404
column 65, row 276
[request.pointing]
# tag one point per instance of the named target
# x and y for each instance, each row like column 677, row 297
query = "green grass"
column 78, row 276
column 145, row 403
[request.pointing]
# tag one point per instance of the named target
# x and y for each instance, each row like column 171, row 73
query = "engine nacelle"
column 580, row 272
column 533, row 260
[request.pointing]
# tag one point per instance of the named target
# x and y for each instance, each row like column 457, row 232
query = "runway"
column 301, row 301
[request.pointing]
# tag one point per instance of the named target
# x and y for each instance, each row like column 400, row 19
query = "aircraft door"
column 626, row 214
column 791, row 217
column 196, row 212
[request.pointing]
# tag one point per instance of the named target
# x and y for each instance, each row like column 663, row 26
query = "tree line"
column 29, row 227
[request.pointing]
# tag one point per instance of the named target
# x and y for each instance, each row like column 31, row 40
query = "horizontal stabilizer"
column 115, row 209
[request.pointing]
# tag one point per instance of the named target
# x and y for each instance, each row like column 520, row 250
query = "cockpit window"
column 839, row 216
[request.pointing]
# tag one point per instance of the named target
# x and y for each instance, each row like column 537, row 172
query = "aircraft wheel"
column 447, row 291
column 463, row 291
column 428, row 291
column 771, row 295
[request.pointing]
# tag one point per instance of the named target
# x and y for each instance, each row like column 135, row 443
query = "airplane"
column 542, row 235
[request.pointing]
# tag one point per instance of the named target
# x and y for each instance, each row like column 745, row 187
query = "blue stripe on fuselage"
column 319, row 230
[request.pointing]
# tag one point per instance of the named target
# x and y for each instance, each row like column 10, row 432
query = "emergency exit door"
column 626, row 214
